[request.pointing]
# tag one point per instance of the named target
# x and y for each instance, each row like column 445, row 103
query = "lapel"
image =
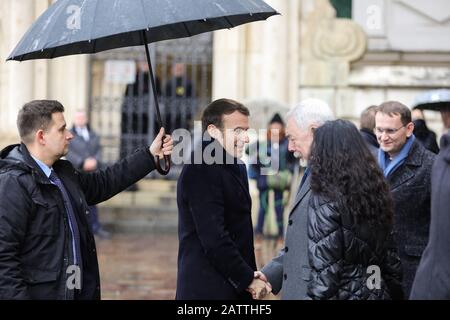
column 401, row 176
column 306, row 187
column 407, row 170
column 236, row 176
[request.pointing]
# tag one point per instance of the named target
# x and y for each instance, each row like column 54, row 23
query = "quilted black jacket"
column 343, row 257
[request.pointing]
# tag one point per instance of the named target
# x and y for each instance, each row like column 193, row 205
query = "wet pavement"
column 144, row 266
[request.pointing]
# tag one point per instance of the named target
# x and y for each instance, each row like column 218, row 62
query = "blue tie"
column 72, row 220
column 305, row 175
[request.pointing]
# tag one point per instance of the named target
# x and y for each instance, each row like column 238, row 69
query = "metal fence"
column 122, row 106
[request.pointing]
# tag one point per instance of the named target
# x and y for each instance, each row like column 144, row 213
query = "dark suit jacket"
column 216, row 255
column 80, row 150
column 410, row 185
column 432, row 279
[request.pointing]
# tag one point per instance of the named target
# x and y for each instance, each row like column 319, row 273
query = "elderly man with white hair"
column 290, row 271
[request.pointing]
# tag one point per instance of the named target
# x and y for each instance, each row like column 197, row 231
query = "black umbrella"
column 436, row 100
column 71, row 27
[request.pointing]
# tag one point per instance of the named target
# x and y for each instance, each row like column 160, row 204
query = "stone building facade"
column 389, row 49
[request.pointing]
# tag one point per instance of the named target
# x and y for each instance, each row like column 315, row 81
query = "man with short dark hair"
column 407, row 167
column 47, row 250
column 216, row 258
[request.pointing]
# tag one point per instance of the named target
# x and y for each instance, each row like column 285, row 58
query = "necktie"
column 83, row 132
column 71, row 217
column 305, row 175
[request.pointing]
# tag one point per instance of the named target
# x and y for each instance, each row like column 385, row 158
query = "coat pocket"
column 45, row 219
column 37, row 276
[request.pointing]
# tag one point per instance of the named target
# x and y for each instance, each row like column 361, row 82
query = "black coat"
column 216, row 257
column 340, row 255
column 425, row 136
column 432, row 279
column 369, row 137
column 80, row 149
column 35, row 249
column 410, row 185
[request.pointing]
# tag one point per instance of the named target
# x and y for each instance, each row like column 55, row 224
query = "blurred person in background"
column 274, row 156
column 424, row 135
column 367, row 127
column 85, row 154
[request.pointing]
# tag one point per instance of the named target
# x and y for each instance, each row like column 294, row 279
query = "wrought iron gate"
column 122, row 108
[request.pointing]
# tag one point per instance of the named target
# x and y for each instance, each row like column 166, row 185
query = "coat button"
column 290, row 222
column 286, row 249
column 87, row 211
column 285, row 276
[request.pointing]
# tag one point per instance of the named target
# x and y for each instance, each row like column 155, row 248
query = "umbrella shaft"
column 152, row 78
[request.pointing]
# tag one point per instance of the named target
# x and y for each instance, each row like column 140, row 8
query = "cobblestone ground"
column 143, row 267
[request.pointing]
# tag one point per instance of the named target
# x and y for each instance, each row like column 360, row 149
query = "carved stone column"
column 328, row 46
column 17, row 78
column 257, row 60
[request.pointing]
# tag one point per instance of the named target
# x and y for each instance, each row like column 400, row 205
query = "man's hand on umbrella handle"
column 162, row 147
column 158, row 148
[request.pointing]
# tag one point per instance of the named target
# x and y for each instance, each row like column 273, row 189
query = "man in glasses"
column 407, row 167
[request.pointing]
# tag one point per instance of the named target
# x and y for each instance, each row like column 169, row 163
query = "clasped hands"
column 260, row 287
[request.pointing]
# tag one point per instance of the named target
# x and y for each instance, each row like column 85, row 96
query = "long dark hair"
column 344, row 171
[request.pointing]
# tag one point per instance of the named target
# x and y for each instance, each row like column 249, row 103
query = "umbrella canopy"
column 70, row 27
column 433, row 100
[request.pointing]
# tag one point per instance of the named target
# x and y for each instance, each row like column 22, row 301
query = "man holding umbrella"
column 70, row 27
column 47, row 250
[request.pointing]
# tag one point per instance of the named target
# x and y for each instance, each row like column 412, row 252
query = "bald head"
column 80, row 119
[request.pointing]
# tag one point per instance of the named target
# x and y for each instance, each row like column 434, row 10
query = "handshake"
column 260, row 287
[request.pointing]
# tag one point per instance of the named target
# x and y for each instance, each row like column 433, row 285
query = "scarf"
column 390, row 167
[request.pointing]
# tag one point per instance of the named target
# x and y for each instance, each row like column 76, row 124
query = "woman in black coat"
column 350, row 247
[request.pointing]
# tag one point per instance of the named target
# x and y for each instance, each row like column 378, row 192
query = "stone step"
column 141, row 199
column 157, row 185
column 152, row 208
column 138, row 219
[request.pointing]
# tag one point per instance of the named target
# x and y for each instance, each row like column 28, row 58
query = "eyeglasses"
column 389, row 131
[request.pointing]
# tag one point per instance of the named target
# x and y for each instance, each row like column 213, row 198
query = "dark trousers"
column 264, row 209
column 94, row 223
